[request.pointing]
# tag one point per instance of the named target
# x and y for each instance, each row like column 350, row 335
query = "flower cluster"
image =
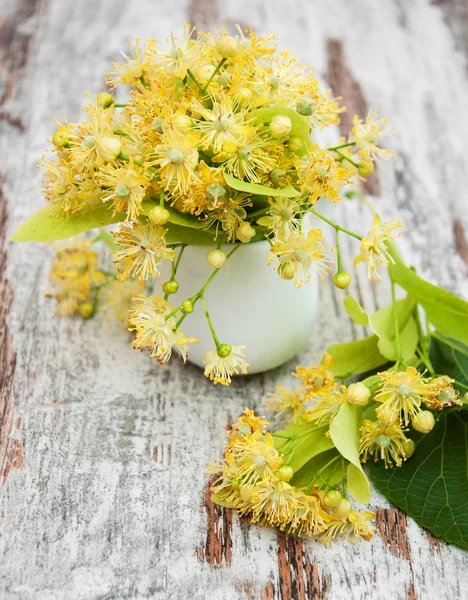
column 254, row 479
column 216, row 137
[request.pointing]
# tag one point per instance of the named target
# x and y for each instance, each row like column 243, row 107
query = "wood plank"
column 112, row 499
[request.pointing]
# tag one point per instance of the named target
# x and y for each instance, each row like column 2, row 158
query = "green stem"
column 121, row 105
column 210, row 324
column 344, row 157
column 192, row 76
column 123, row 156
column 161, row 199
column 143, row 82
column 343, row 146
column 339, row 264
column 220, row 64
column 335, row 226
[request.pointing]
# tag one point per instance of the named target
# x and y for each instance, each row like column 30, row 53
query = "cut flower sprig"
column 215, row 145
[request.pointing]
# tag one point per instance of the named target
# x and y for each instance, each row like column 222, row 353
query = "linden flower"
column 282, row 217
column 399, row 393
column 177, row 159
column 285, row 402
column 229, row 213
column 206, row 193
column 383, row 442
column 61, row 187
column 248, row 423
column 118, row 296
column 443, row 394
column 322, row 176
column 255, row 459
column 154, row 331
column 140, row 250
column 319, row 109
column 354, row 525
column 273, row 503
column 327, row 405
column 126, row 188
column 222, row 124
column 373, row 248
column 131, row 71
column 367, row 133
column 302, row 252
column 246, row 160
column 180, row 57
column 315, row 378
column 310, row 517
column 220, row 369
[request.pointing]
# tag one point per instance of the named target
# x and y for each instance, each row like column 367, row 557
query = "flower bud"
column 358, row 394
column 305, row 106
column 224, row 350
column 277, row 177
column 227, row 46
column 332, row 498
column 295, row 144
column 343, row 508
column 465, row 398
column 109, row 148
column 187, row 307
column 280, row 126
column 170, row 287
column 215, row 191
column 423, row 421
column 204, row 73
column 182, row 123
column 104, row 99
column 157, row 124
column 285, row 473
column 86, row 310
column 408, row 448
column 216, row 258
column 60, row 138
column 286, row 271
column 244, row 95
column 365, row 168
column 342, row 280
column 245, row 232
column 235, row 484
column 159, row 215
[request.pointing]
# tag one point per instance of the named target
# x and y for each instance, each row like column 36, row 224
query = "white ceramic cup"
column 249, row 304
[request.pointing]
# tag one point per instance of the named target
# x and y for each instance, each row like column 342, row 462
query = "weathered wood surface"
column 111, row 500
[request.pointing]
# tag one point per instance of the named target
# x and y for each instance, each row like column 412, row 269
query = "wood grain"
column 112, row 499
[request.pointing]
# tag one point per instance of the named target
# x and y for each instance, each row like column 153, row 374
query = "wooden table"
column 103, row 453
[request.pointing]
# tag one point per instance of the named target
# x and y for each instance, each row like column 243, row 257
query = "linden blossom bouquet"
column 213, row 147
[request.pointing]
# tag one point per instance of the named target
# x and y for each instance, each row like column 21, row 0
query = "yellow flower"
column 177, row 158
column 273, row 503
column 443, row 394
column 285, row 402
column 310, row 517
column 373, row 249
column 248, row 423
column 182, row 55
column 282, row 216
column 74, row 274
column 118, row 297
column 302, row 252
column 353, row 526
column 322, row 176
column 222, row 124
column 208, row 192
column 140, row 250
column 61, row 187
column 125, row 187
column 248, row 160
column 154, row 331
column 383, row 442
column 315, row 378
column 255, row 459
column 401, row 395
column 319, row 109
column 220, row 369
column 227, row 212
column 327, row 404
column 367, row 134
column 131, row 71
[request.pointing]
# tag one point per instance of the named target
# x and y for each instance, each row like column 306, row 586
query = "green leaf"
column 43, row 227
column 432, row 486
column 450, row 357
column 260, row 190
column 176, row 217
column 318, row 470
column 446, row 311
column 189, row 235
column 356, row 357
column 383, row 325
column 355, row 311
column 306, row 441
column 344, row 431
column 300, row 125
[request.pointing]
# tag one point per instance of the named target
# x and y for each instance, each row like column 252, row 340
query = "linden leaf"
column 260, row 190
column 355, row 311
column 382, row 323
column 303, row 442
column 356, row 357
column 344, row 431
column 450, row 358
column 446, row 311
column 300, row 125
column 432, row 485
column 324, row 469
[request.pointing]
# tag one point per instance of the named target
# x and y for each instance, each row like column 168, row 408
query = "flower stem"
column 192, row 76
column 342, row 146
column 335, row 225
column 210, row 324
column 396, row 325
column 121, row 105
column 161, row 199
column 344, row 157
column 220, row 64
column 339, row 264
